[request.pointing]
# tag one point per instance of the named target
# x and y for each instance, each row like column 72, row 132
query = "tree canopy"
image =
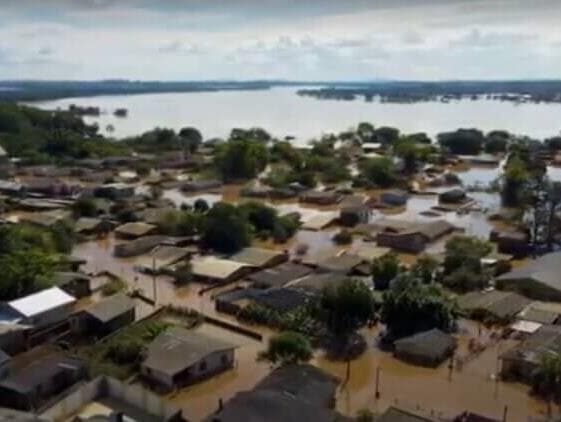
column 287, row 348
column 241, row 159
column 226, row 229
column 379, row 171
column 385, row 269
column 463, row 141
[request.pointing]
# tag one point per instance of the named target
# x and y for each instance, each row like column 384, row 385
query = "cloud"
column 45, row 51
column 479, row 39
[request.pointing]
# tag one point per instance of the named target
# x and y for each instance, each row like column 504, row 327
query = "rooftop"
column 257, row 257
column 546, row 270
column 280, row 275
column 42, row 301
column 135, row 229
column 215, row 268
column 177, row 349
column 107, row 309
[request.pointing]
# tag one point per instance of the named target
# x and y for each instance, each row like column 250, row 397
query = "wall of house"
column 157, row 378
column 13, row 342
column 51, row 316
column 214, row 363
column 102, row 387
column 409, row 243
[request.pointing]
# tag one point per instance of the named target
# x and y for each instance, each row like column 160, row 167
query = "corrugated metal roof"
column 212, row 267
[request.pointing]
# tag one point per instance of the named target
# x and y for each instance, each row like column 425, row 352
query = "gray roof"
column 546, row 270
column 62, row 278
column 499, row 303
column 432, row 344
column 343, row 263
column 136, row 229
column 281, row 299
column 257, row 257
column 546, row 339
column 317, row 282
column 177, row 349
column 394, row 414
column 280, row 275
column 110, row 308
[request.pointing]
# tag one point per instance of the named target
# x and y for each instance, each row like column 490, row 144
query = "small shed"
column 107, row 316
column 428, row 348
column 134, row 230
column 394, row 198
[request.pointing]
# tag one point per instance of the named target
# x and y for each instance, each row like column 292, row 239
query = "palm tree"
column 547, row 377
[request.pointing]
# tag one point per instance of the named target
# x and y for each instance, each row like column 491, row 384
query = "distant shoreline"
column 522, row 91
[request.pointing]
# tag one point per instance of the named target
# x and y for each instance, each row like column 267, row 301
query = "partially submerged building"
column 210, row 269
column 428, row 348
column 134, row 230
column 493, row 305
column 279, row 276
column 179, row 357
column 260, row 257
column 105, row 316
column 540, row 279
column 411, row 236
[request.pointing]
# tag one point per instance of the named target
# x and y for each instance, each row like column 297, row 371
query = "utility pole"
column 377, row 393
column 154, row 279
column 505, row 411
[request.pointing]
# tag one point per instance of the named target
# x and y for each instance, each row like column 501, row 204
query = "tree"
column 462, row 141
column 23, row 272
column 287, row 348
column 262, row 217
column 84, row 207
column 365, row 131
column 409, row 153
column 546, row 380
column 344, row 237
column 385, row 269
column 344, row 309
column 226, row 229
column 181, row 223
column 379, row 171
column 191, row 138
column 241, row 159
column 409, row 306
column 515, row 181
column 465, row 251
column 425, row 268
column 201, row 206
column 386, row 135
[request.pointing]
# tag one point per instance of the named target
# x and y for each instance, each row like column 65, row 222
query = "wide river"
column 281, row 112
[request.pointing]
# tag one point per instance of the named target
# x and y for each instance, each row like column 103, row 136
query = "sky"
column 280, row 39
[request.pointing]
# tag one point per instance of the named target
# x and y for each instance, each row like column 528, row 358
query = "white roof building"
column 32, row 306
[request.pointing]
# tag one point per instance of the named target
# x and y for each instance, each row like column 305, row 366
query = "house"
column 315, row 283
column 511, row 242
column 521, row 361
column 428, row 348
column 107, row 399
column 354, row 210
column 260, row 257
column 114, row 191
column 320, row 221
column 545, row 313
column 345, row 263
column 161, row 258
column 233, row 301
column 541, row 279
column 370, row 252
column 29, row 387
column 47, row 218
column 179, row 357
column 156, row 215
column 50, row 186
column 146, row 244
column 201, row 185
column 134, row 230
column 452, row 196
column 13, row 337
column 40, row 309
column 282, row 299
column 394, row 198
column 5, row 361
column 320, row 197
column 289, row 393
column 494, row 304
column 93, row 226
column 210, row 269
column 74, row 283
column 411, row 237
column 106, row 316
column 278, row 276
column 8, row 187
column 395, row 414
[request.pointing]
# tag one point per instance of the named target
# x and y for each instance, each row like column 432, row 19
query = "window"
column 202, row 366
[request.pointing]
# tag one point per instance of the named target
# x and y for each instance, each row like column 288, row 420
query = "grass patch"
column 120, row 355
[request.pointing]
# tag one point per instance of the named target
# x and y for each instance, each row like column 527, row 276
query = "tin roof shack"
column 540, row 279
column 13, row 337
column 30, row 387
column 212, row 270
column 114, row 191
column 289, row 393
column 134, row 230
column 105, row 316
column 521, row 361
column 394, row 198
column 73, row 283
column 353, row 210
column 107, row 399
column 278, row 276
column 411, row 237
column 201, row 185
column 428, row 348
column 179, row 357
column 86, row 226
column 320, row 197
column 260, row 257
column 161, row 258
column 494, row 305
column 511, row 242
column 40, row 309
